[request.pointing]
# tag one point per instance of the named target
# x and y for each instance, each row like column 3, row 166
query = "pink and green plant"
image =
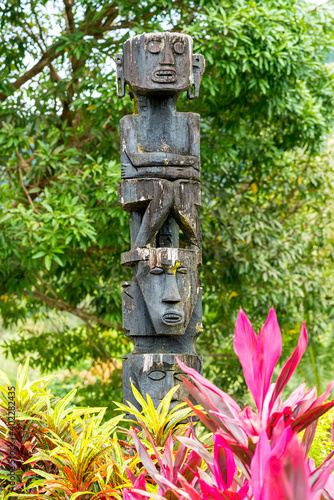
column 256, row 454
column 259, row 452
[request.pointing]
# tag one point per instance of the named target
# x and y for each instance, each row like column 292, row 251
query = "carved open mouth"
column 172, row 318
column 164, row 76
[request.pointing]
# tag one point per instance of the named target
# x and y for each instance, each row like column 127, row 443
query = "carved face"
column 169, row 285
column 156, row 374
column 158, row 62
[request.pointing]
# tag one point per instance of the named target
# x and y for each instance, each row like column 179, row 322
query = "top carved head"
column 159, row 64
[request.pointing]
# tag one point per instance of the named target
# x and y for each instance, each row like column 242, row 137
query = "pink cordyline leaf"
column 224, row 418
column 251, row 422
column 223, row 463
column 208, row 422
column 168, row 458
column 200, row 380
column 286, row 478
column 295, row 397
column 290, row 366
column 245, row 342
column 276, row 485
column 198, row 447
column 321, row 399
column 190, row 490
column 258, row 355
column 319, row 477
column 305, row 403
column 329, row 488
column 259, row 464
column 210, row 492
column 138, row 483
column 267, row 458
column 146, row 459
column 190, row 466
column 308, row 437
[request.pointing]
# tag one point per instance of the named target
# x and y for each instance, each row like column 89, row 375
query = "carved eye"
column 157, row 270
column 157, row 375
column 178, row 47
column 182, row 270
column 154, row 46
column 178, row 377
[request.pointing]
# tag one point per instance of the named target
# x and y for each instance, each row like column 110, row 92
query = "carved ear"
column 198, row 70
column 120, row 82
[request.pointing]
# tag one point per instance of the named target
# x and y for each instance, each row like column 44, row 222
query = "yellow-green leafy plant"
column 158, row 422
column 84, row 463
column 21, row 431
column 65, row 452
column 58, row 447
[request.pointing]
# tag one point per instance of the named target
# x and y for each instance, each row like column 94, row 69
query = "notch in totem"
column 160, row 168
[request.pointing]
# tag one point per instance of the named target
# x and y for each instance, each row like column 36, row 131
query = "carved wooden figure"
column 160, row 163
column 161, row 298
column 156, row 374
column 157, row 142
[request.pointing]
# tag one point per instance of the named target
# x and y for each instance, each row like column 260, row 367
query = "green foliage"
column 95, row 385
column 266, row 107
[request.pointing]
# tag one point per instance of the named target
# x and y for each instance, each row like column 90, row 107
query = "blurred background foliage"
column 266, row 106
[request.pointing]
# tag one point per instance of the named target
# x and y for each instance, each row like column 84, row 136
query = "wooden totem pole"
column 160, row 161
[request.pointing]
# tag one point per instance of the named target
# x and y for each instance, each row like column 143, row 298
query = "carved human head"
column 166, row 286
column 159, row 63
column 156, row 374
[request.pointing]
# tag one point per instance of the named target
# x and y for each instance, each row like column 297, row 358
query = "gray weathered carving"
column 156, row 374
column 161, row 297
column 160, row 163
column 155, row 200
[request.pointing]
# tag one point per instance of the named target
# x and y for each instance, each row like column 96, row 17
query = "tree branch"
column 45, row 60
column 69, row 18
column 63, row 306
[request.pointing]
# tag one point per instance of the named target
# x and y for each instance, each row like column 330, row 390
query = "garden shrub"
column 66, row 452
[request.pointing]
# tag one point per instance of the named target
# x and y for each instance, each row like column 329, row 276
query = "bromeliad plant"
column 257, row 454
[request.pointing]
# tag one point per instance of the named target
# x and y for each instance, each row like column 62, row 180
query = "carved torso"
column 160, row 143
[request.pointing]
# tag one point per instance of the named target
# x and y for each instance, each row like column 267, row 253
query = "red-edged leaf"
column 259, row 464
column 223, row 463
column 208, row 422
column 144, row 456
column 308, row 437
column 202, row 381
column 290, row 366
column 310, row 416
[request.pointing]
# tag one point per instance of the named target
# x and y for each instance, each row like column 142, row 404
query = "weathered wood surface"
column 160, row 162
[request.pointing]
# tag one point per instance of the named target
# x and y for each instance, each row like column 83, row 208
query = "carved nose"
column 171, row 292
column 167, row 55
